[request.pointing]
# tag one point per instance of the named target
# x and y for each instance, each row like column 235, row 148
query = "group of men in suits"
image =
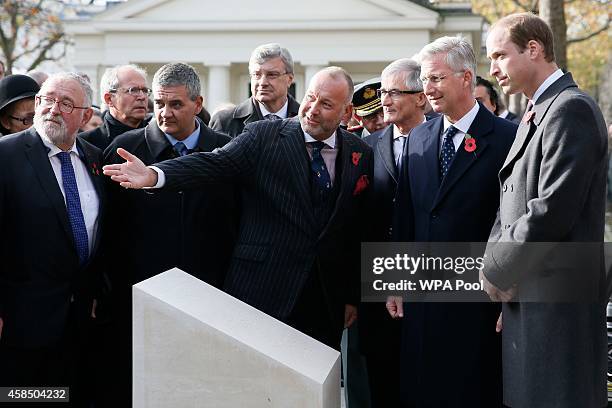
column 303, row 183
column 303, row 194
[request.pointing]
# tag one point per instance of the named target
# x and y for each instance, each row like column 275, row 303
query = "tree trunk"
column 552, row 11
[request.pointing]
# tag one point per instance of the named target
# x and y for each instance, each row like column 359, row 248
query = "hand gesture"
column 132, row 173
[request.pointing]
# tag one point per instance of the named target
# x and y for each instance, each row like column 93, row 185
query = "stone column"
column 218, row 89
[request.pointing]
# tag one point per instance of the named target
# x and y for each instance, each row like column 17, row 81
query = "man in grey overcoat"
column 553, row 186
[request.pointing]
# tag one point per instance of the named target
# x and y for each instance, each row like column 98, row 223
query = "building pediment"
column 239, row 15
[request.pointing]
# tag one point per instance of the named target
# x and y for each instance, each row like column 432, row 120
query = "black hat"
column 365, row 100
column 16, row 87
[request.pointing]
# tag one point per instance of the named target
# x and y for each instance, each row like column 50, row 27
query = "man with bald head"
column 303, row 183
column 123, row 89
column 51, row 200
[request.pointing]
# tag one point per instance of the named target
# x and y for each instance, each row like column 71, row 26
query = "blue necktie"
column 181, row 149
column 448, row 150
column 320, row 174
column 73, row 205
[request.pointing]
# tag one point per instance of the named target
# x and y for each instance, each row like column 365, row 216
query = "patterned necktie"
column 272, row 116
column 73, row 205
column 181, row 149
column 320, row 174
column 448, row 150
column 528, row 113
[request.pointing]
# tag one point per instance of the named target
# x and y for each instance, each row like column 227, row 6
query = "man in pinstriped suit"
column 303, row 184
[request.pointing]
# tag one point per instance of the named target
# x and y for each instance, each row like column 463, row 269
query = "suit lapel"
column 208, row 140
column 298, row 165
column 251, row 111
column 385, row 151
column 430, row 143
column 526, row 130
column 157, row 143
column 348, row 177
column 37, row 155
column 480, row 127
column 91, row 157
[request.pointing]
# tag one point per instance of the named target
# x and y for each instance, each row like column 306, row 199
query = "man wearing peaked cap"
column 16, row 103
column 367, row 108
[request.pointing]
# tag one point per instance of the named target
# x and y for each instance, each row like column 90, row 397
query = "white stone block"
column 196, row 346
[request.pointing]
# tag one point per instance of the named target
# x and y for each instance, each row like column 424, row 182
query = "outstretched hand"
column 132, row 173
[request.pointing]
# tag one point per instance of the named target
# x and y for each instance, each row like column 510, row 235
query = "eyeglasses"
column 436, row 79
column 64, row 106
column 394, row 93
column 270, row 75
column 27, row 121
column 133, row 91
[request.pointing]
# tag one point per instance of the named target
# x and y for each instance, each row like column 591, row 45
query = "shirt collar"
column 53, row 150
column 330, row 141
column 548, row 82
column 397, row 133
column 504, row 114
column 191, row 141
column 465, row 122
column 282, row 112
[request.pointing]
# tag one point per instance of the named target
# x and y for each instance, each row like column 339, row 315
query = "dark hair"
column 493, row 96
column 524, row 27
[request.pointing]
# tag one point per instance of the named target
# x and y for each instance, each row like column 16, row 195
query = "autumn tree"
column 31, row 32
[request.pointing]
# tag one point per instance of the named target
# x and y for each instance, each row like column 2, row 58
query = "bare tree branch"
column 590, row 35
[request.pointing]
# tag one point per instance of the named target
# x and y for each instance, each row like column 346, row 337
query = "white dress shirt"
column 282, row 112
column 548, row 82
column 463, row 125
column 90, row 203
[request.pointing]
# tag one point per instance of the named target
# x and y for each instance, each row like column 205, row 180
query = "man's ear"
column 199, row 102
column 348, row 112
column 535, row 48
column 107, row 99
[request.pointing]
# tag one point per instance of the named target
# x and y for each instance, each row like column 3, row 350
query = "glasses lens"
column 66, row 107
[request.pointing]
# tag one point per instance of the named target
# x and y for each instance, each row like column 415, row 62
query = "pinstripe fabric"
column 278, row 243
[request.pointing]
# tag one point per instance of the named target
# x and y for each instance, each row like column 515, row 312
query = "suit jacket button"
column 393, row 200
column 511, row 187
column 434, row 215
column 505, row 188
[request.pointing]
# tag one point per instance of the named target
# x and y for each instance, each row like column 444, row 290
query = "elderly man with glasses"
column 123, row 89
column 271, row 72
column 51, row 206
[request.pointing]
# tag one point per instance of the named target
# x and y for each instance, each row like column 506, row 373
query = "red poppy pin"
column 356, row 157
column 470, row 143
column 94, row 169
column 362, row 184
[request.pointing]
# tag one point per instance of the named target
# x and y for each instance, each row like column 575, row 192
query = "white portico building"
column 217, row 37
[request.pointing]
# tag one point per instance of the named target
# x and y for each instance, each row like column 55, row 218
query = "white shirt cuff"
column 161, row 177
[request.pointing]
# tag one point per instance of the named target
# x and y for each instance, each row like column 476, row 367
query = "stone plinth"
column 196, row 346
